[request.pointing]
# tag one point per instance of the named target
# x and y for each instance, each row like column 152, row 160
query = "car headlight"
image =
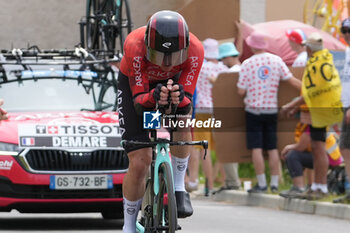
column 8, row 149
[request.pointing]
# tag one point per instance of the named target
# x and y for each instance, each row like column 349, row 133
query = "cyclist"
column 3, row 113
column 163, row 50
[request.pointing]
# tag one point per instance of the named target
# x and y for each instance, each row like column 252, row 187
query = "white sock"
column 179, row 170
column 323, row 187
column 274, row 180
column 314, row 186
column 261, row 180
column 131, row 210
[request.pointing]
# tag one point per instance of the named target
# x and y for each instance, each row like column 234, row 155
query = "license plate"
column 81, row 182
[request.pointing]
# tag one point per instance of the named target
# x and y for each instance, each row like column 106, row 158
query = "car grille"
column 61, row 160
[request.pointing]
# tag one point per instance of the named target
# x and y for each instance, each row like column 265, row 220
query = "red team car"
column 60, row 148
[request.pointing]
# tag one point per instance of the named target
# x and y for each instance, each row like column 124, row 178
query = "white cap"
column 211, row 48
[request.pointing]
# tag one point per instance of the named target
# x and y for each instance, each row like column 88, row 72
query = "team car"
column 60, row 148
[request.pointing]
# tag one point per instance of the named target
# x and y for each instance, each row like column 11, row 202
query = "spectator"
column 258, row 82
column 3, row 113
column 321, row 91
column 298, row 156
column 345, row 132
column 204, row 109
column 297, row 40
column 229, row 55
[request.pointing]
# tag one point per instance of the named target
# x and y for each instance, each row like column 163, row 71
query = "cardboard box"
column 229, row 108
column 211, row 19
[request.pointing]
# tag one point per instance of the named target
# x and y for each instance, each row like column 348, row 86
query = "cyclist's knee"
column 183, row 128
column 139, row 162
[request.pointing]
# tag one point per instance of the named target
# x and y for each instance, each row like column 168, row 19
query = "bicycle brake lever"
column 205, row 146
column 205, row 154
column 173, row 109
column 123, row 143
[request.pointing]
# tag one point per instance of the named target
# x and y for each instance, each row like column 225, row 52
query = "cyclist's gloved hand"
column 177, row 94
column 161, row 94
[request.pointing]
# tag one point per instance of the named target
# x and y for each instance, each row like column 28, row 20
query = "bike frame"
column 160, row 154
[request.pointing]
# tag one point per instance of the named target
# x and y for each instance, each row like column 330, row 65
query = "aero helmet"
column 167, row 39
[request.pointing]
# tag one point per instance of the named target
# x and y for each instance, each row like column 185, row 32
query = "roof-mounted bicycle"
column 105, row 21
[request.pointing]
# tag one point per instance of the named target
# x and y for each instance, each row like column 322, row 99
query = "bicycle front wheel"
column 166, row 216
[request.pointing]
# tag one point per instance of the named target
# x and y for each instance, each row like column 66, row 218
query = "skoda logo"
column 166, row 45
column 80, row 154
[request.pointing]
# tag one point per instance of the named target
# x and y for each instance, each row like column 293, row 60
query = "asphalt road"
column 209, row 217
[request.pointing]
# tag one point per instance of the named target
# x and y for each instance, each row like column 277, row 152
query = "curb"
column 340, row 211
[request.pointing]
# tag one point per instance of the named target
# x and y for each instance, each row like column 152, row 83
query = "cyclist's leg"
column 180, row 155
column 139, row 157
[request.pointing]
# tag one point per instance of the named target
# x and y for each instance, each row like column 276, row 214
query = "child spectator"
column 229, row 55
column 204, row 109
column 258, row 82
column 297, row 39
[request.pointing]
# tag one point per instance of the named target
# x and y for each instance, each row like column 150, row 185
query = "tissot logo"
column 166, row 45
column 98, row 129
column 52, row 129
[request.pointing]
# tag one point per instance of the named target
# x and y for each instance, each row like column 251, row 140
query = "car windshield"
column 57, row 94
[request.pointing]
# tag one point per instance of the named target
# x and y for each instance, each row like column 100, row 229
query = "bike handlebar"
column 203, row 143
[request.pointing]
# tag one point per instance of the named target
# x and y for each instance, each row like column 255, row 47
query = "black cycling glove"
column 182, row 92
column 156, row 92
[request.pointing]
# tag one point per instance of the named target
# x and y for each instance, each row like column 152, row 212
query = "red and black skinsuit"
column 138, row 77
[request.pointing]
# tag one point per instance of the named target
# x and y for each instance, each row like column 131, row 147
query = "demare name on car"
column 99, row 135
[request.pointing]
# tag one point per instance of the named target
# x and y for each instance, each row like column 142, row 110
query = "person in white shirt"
column 258, row 83
column 345, row 131
column 297, row 39
column 203, row 111
column 229, row 55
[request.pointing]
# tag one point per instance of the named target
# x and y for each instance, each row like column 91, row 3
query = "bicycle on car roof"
column 105, row 21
